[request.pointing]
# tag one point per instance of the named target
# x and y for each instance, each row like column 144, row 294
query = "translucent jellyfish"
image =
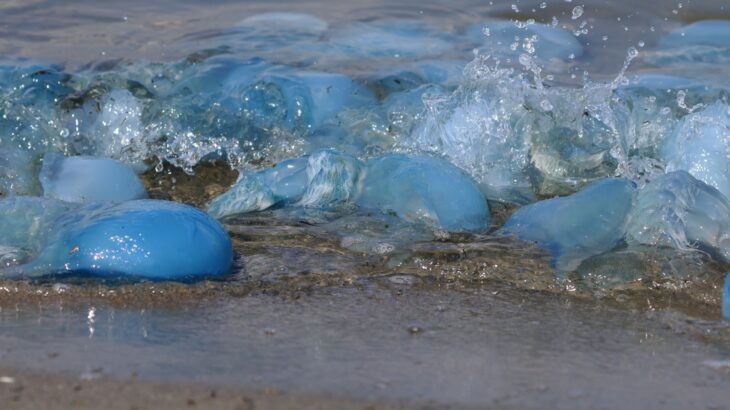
column 402, row 110
column 426, row 190
column 565, row 159
column 323, row 179
column 276, row 35
column 700, row 145
column 287, row 181
column 18, row 172
column 331, row 179
column 29, row 115
column 219, row 74
column 375, row 232
column 576, row 136
column 473, row 129
column 284, row 23
column 203, row 115
column 88, row 179
column 302, row 101
column 112, row 127
column 650, row 93
column 248, row 194
column 390, row 39
column 149, row 239
column 27, row 221
column 578, row 226
column 654, row 109
column 676, row 210
column 447, row 73
column 706, row 41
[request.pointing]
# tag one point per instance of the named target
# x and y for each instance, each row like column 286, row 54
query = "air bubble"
column 577, row 12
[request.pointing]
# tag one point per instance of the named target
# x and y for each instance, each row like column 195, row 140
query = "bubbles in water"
column 546, row 105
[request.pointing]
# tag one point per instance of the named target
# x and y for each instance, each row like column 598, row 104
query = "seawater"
column 319, row 292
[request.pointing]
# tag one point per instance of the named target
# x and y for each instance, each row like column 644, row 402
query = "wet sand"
column 388, row 343
column 41, row 391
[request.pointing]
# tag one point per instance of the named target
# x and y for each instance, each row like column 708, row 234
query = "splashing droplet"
column 577, row 12
column 546, row 105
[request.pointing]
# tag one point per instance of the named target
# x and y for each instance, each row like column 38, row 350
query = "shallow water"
column 489, row 345
column 331, row 301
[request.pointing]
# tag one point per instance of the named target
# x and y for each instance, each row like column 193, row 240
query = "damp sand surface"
column 395, row 340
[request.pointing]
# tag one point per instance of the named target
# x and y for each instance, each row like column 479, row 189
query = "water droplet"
column 546, row 105
column 577, row 12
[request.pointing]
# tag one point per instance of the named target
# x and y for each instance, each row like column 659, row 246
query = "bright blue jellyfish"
column 146, row 238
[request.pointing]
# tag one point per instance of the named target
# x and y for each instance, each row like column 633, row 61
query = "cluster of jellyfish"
column 401, row 118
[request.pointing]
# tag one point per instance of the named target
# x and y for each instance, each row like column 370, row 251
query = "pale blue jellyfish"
column 676, row 210
column 88, row 179
column 426, row 190
column 300, row 100
column 390, row 39
column 700, row 145
column 578, row 226
column 324, row 178
column 706, row 42
column 26, row 224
